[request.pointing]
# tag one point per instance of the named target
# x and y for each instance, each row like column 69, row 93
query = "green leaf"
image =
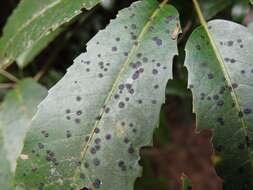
column 220, row 69
column 34, row 20
column 16, row 112
column 186, row 183
column 106, row 107
column 251, row 1
column 211, row 8
column 5, row 173
column 28, row 55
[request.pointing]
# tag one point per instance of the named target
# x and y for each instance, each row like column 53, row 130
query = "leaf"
column 251, row 1
column 211, row 8
column 16, row 112
column 5, row 174
column 186, row 183
column 28, row 55
column 220, row 76
column 32, row 21
column 106, row 107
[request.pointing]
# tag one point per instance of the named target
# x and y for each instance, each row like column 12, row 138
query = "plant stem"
column 8, row 75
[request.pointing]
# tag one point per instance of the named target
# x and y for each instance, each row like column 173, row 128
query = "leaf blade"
column 16, row 112
column 102, row 100
column 33, row 20
column 220, row 93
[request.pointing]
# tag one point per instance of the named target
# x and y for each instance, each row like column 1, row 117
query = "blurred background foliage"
column 177, row 148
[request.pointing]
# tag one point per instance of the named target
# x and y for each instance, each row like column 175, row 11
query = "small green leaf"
column 106, row 107
column 220, row 69
column 34, row 20
column 186, row 183
column 16, row 112
column 251, row 1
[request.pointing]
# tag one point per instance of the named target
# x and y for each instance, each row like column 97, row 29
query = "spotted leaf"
column 106, row 107
column 32, row 21
column 219, row 62
column 5, row 173
column 16, row 113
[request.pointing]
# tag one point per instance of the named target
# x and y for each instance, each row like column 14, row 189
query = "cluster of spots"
column 78, row 113
column 44, row 133
column 96, row 184
column 50, row 157
column 232, row 43
column 157, row 40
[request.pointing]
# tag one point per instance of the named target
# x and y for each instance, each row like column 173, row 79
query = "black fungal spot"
column 82, row 176
column 210, row 76
column 123, row 123
column 41, row 146
column 117, row 39
column 96, row 130
column 247, row 111
column 230, row 43
column 92, row 150
column 154, row 71
column 130, row 149
column 97, row 140
column 100, row 75
column 220, row 120
column 97, row 183
column 114, row 48
column 79, row 112
column 96, row 162
column 240, row 114
column 87, row 70
column 116, row 96
column 234, row 85
column 133, row 26
column 78, row 98
column 127, row 99
column 126, row 140
column 156, row 86
column 243, row 71
column 157, row 41
column 198, row 47
column 154, row 101
column 108, row 136
column 67, row 111
column 139, row 55
column 216, row 97
column 68, row 134
column 220, row 103
column 140, row 101
column 121, row 86
column 77, row 120
column 68, row 117
column 107, row 110
column 121, row 104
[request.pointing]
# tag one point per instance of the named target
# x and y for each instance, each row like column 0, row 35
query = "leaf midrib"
column 225, row 73
column 122, row 70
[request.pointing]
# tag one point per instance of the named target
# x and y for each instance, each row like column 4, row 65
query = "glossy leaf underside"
column 220, row 77
column 99, row 115
column 16, row 113
column 33, row 20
